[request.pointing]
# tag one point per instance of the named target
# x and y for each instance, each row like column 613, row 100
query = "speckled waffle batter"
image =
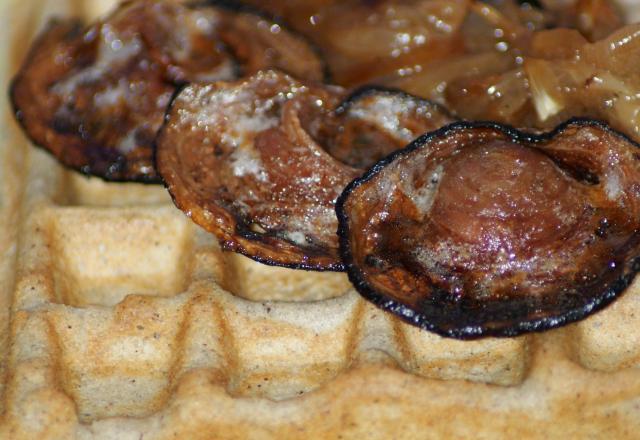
column 122, row 320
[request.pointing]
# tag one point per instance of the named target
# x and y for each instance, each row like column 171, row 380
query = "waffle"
column 123, row 320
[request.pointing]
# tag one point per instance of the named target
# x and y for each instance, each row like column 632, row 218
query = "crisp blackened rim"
column 239, row 227
column 376, row 90
column 407, row 314
column 240, row 7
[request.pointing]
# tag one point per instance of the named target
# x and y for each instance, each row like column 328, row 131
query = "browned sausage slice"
column 251, row 160
column 481, row 230
column 96, row 97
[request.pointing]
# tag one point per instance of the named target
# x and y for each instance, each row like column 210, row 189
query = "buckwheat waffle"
column 121, row 319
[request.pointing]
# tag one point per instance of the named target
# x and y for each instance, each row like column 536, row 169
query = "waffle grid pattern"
column 121, row 319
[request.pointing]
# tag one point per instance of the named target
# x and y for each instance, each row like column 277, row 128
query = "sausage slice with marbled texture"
column 481, row 230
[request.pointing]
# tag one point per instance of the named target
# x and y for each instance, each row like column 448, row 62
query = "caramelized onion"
column 251, row 161
column 556, row 82
column 481, row 230
column 383, row 42
column 96, row 97
column 599, row 81
column 595, row 19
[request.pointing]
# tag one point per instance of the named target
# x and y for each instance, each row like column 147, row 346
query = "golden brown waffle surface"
column 119, row 319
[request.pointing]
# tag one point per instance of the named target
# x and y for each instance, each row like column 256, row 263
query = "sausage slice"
column 95, row 97
column 481, row 230
column 260, row 162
